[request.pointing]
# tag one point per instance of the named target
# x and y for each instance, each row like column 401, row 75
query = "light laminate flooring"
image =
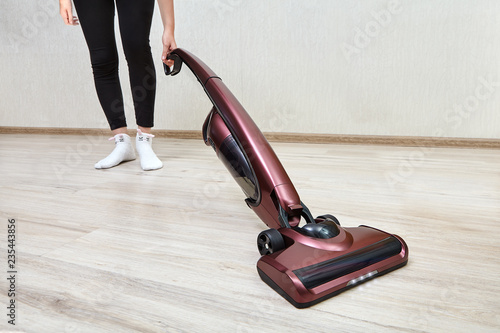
column 174, row 250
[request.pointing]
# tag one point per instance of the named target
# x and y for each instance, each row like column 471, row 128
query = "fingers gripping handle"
column 177, row 65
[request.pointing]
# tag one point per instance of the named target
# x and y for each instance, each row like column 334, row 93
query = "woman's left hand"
column 169, row 45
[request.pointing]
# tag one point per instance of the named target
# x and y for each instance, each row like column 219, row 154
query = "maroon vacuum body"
column 304, row 264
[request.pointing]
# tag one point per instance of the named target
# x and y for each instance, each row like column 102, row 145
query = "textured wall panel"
column 417, row 68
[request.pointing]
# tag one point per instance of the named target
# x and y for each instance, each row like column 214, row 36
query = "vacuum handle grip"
column 177, row 65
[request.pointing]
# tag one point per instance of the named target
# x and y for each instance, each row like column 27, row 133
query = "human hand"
column 168, row 41
column 66, row 11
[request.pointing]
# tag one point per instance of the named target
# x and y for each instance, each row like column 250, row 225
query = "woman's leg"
column 135, row 25
column 97, row 21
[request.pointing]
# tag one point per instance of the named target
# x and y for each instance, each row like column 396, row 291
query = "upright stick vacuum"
column 304, row 264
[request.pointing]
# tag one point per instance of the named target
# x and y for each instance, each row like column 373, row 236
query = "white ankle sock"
column 123, row 152
column 149, row 160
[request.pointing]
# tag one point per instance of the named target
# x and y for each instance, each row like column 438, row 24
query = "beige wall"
column 417, row 68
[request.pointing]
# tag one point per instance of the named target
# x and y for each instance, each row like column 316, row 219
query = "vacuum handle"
column 177, row 65
column 202, row 72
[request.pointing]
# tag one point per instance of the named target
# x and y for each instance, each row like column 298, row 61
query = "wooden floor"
column 174, row 250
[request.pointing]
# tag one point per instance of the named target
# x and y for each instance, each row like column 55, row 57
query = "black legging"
column 97, row 21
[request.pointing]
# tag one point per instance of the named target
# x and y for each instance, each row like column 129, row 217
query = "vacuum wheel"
column 270, row 241
column 329, row 216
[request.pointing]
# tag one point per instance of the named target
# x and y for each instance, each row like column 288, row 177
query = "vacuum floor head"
column 308, row 268
column 304, row 264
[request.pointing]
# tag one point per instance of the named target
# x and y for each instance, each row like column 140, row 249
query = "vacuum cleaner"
column 305, row 259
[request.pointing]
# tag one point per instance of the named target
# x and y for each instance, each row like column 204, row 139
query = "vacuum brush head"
column 309, row 270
